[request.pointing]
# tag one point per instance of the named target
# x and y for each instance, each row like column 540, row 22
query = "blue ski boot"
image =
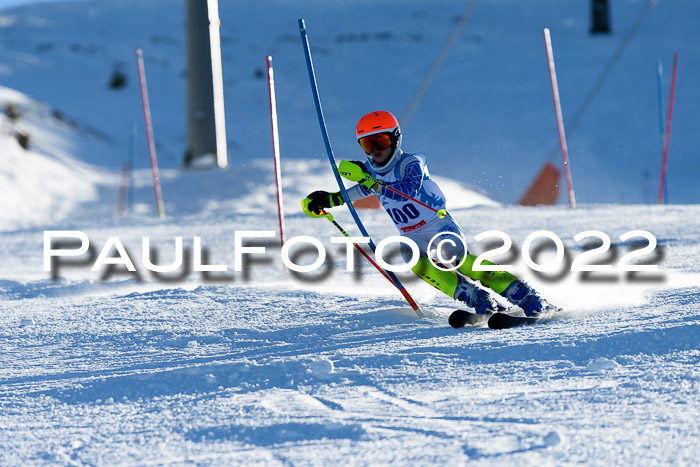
column 521, row 294
column 476, row 297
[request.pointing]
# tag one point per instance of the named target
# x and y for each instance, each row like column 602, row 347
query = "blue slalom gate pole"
column 331, row 158
column 132, row 161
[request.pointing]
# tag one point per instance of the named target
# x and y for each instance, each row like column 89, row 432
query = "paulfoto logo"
column 542, row 251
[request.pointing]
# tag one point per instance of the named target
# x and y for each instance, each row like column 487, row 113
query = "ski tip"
column 302, row 25
column 461, row 318
column 458, row 319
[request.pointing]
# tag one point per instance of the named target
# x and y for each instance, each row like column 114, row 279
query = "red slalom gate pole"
column 560, row 118
column 275, row 145
column 149, row 134
column 667, row 135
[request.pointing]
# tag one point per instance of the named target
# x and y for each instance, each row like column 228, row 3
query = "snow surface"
column 265, row 367
column 274, row 370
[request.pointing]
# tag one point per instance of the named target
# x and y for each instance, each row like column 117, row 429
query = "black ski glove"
column 319, row 200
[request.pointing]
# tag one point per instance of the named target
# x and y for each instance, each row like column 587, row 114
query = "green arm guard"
column 352, row 171
column 355, row 172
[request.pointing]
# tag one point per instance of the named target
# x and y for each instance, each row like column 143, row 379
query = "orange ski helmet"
column 380, row 122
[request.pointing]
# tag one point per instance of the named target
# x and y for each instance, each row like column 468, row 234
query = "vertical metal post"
column 206, row 131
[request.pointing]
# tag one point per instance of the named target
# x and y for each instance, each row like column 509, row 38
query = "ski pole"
column 403, row 291
column 350, row 170
column 441, row 213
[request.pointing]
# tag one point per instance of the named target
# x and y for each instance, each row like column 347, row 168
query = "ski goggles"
column 380, row 141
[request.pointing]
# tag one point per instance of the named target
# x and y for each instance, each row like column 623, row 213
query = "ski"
column 462, row 318
column 504, row 321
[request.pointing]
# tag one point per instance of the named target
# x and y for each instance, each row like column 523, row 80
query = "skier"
column 380, row 137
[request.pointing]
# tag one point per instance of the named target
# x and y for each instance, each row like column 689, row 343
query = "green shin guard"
column 495, row 280
column 445, row 281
